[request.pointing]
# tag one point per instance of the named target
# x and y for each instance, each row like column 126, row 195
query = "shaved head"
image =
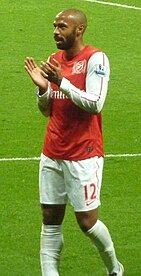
column 70, row 26
column 77, row 16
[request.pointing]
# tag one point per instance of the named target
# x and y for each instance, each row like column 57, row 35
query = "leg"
column 84, row 193
column 53, row 203
column 51, row 238
column 100, row 237
column 87, row 220
column 53, row 214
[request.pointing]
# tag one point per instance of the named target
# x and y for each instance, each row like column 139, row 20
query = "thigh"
column 51, row 182
column 83, row 183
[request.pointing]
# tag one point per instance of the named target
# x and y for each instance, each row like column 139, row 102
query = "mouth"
column 58, row 39
column 59, row 42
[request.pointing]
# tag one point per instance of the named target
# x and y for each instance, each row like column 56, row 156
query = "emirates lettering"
column 56, row 94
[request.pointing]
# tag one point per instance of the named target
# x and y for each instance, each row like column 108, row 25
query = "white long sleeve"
column 44, row 101
column 98, row 72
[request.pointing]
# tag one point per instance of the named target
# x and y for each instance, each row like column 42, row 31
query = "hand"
column 35, row 73
column 51, row 72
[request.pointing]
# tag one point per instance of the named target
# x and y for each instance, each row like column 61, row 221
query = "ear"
column 80, row 29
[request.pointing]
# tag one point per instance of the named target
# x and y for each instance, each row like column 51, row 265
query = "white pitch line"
column 38, row 158
column 123, row 155
column 20, row 159
column 114, row 4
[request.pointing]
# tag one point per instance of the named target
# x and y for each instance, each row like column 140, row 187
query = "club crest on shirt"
column 79, row 67
column 100, row 70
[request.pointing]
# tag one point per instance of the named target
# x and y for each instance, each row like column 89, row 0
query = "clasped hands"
column 47, row 71
column 51, row 72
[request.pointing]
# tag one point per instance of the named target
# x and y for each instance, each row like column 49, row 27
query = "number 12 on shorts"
column 90, row 193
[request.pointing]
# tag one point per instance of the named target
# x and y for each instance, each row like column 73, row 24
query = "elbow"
column 99, row 106
column 45, row 111
column 96, row 109
column 45, row 114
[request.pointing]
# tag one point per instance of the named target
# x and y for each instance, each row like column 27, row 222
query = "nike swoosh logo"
column 90, row 202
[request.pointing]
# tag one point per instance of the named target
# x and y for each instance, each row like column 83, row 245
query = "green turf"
column 26, row 30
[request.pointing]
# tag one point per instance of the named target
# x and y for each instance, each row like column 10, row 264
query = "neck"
column 69, row 54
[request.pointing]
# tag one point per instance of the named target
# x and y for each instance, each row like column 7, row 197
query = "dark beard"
column 67, row 43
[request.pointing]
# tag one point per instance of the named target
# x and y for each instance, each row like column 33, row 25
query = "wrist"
column 41, row 91
column 59, row 82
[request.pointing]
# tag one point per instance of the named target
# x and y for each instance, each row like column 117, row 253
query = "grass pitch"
column 26, row 30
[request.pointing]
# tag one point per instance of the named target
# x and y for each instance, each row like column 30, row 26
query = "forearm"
column 89, row 102
column 93, row 98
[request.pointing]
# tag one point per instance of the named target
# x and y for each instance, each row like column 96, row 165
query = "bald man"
column 71, row 89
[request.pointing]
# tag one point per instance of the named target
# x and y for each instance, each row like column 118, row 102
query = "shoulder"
column 95, row 53
column 99, row 56
column 89, row 50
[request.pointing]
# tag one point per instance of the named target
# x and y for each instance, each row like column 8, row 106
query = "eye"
column 63, row 27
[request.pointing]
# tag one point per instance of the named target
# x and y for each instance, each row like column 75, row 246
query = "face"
column 65, row 32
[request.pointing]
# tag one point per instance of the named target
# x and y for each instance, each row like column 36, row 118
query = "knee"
column 47, row 216
column 86, row 220
column 52, row 215
column 86, row 224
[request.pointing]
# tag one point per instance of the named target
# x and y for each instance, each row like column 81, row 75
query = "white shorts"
column 77, row 181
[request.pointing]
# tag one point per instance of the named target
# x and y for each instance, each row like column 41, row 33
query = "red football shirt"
column 72, row 132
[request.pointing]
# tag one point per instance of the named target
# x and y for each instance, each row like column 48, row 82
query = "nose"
column 56, row 31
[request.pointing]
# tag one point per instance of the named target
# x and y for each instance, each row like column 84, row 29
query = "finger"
column 51, row 66
column 43, row 65
column 57, row 63
column 44, row 74
column 28, row 70
column 46, row 68
column 33, row 63
column 28, row 66
column 30, row 63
